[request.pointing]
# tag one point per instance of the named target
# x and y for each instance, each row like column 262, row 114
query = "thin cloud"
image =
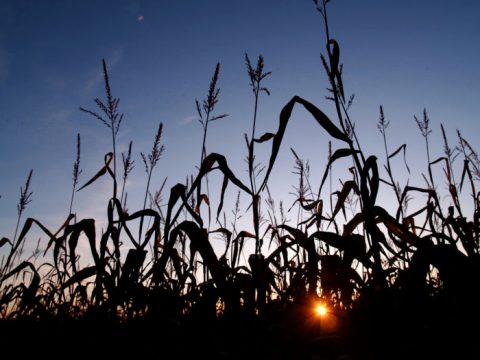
column 187, row 120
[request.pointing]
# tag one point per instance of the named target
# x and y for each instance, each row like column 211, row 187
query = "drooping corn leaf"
column 199, row 240
column 238, row 243
column 265, row 137
column 399, row 230
column 54, row 237
column 106, row 168
column 4, row 241
column 404, row 148
column 228, row 235
column 348, row 187
column 285, row 115
column 338, row 154
column 80, row 275
column 87, row 226
column 369, row 194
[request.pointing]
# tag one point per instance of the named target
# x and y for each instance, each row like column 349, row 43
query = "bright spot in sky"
column 140, row 18
column 321, row 309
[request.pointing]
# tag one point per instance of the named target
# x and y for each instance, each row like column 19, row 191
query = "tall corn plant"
column 24, row 200
column 75, row 174
column 150, row 161
column 382, row 126
column 205, row 111
column 256, row 76
column 112, row 119
column 106, row 280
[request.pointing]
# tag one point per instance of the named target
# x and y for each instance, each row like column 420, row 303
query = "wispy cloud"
column 187, row 120
column 96, row 75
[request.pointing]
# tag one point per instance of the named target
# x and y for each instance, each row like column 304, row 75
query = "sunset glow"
column 321, row 309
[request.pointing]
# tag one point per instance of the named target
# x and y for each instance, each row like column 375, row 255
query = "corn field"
column 393, row 285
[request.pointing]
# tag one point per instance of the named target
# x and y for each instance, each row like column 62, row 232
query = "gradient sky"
column 406, row 55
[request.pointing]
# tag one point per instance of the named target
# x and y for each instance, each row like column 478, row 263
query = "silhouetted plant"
column 206, row 109
column 153, row 157
column 75, row 173
column 424, row 127
column 256, row 75
column 112, row 121
column 402, row 201
column 24, row 200
column 128, row 165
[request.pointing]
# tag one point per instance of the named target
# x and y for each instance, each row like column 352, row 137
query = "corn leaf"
column 106, row 168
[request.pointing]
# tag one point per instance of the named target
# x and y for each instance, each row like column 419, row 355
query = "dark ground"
column 289, row 333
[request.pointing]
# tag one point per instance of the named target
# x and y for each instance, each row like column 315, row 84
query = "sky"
column 405, row 55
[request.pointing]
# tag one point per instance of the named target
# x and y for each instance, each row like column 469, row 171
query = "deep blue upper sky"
column 405, row 55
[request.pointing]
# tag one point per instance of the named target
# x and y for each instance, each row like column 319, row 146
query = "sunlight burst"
column 321, row 309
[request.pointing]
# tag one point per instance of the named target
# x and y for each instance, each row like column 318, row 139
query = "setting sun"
column 321, row 309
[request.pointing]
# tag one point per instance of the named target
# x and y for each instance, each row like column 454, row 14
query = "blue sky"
column 406, row 55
